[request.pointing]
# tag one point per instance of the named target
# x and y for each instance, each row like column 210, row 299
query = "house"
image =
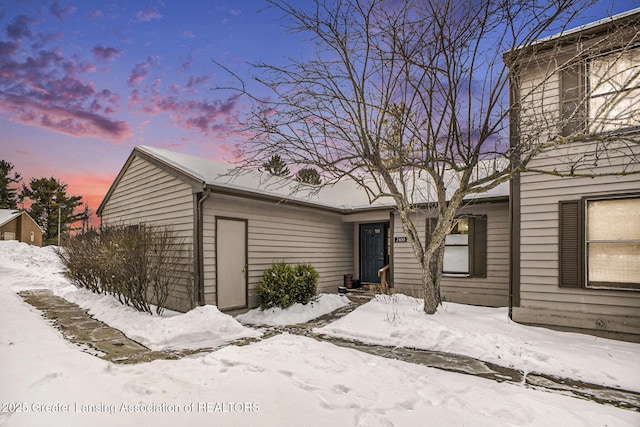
column 559, row 252
column 576, row 240
column 18, row 225
column 233, row 227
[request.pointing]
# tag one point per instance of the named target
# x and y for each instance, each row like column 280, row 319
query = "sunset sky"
column 82, row 83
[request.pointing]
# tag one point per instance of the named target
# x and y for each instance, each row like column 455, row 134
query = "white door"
column 231, row 263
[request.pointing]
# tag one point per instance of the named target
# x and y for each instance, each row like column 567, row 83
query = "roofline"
column 12, row 217
column 569, row 36
column 592, row 27
column 19, row 213
column 217, row 189
column 269, row 197
column 199, row 184
column 138, row 152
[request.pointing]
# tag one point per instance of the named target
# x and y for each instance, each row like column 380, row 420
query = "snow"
column 487, row 334
column 285, row 380
column 345, row 194
column 297, row 313
column 202, row 327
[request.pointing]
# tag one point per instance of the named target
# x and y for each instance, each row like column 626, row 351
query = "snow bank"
column 297, row 313
column 24, row 266
column 201, row 327
column 488, row 334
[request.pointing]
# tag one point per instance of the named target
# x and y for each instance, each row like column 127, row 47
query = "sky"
column 83, row 83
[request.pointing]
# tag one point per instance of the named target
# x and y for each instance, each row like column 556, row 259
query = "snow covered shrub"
column 283, row 285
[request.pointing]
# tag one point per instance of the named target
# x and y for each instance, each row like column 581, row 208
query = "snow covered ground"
column 297, row 313
column 488, row 334
column 284, row 380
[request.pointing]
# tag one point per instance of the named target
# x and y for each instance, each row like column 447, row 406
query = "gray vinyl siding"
column 492, row 290
column 150, row 195
column 279, row 232
column 542, row 301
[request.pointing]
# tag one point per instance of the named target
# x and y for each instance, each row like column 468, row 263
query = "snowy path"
column 284, row 380
column 110, row 344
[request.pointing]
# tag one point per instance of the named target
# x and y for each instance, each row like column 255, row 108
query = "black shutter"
column 571, row 244
column 478, row 246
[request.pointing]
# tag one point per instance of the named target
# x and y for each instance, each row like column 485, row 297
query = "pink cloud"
column 77, row 123
column 105, row 53
column 138, row 73
column 19, row 28
column 196, row 81
column 59, row 11
column 202, row 117
column 8, row 48
column 148, row 14
column 95, row 14
column 186, row 65
column 47, row 90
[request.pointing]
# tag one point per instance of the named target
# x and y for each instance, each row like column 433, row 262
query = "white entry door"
column 231, row 263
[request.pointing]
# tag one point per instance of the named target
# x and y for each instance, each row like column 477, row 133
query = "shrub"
column 306, row 283
column 283, row 285
column 137, row 265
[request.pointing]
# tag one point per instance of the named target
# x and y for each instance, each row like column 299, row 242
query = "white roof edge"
column 7, row 215
column 588, row 26
column 341, row 196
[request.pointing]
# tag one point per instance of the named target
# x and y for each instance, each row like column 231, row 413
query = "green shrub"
column 283, row 285
column 306, row 283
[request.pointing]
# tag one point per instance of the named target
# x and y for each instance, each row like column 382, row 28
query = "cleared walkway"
column 99, row 339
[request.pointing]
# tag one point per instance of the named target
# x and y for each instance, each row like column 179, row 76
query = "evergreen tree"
column 48, row 197
column 8, row 196
column 276, row 166
column 309, row 176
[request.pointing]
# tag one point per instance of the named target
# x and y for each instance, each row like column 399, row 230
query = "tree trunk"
column 431, row 273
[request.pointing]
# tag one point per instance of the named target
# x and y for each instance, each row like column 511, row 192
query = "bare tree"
column 410, row 100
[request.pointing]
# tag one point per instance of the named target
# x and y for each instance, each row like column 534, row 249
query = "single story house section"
column 235, row 226
column 18, row 225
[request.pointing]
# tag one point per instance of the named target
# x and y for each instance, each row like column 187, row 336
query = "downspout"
column 199, row 245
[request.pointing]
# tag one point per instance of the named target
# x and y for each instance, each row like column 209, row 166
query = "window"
column 572, row 98
column 600, row 243
column 456, row 249
column 465, row 251
column 613, row 243
column 613, row 82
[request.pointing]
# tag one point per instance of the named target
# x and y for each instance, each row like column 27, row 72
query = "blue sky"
column 82, row 83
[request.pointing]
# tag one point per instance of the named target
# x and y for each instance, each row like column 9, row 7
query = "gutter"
column 199, row 245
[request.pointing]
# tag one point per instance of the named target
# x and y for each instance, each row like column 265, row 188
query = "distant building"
column 18, row 225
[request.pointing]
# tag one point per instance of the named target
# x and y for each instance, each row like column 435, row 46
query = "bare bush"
column 137, row 265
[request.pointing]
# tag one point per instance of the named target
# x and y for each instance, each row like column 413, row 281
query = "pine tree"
column 276, row 166
column 48, row 197
column 309, row 176
column 8, row 195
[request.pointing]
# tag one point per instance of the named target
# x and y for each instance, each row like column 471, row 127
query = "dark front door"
column 373, row 251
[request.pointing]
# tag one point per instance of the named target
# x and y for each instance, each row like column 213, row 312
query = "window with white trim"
column 456, row 249
column 614, row 91
column 601, row 94
column 613, row 243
